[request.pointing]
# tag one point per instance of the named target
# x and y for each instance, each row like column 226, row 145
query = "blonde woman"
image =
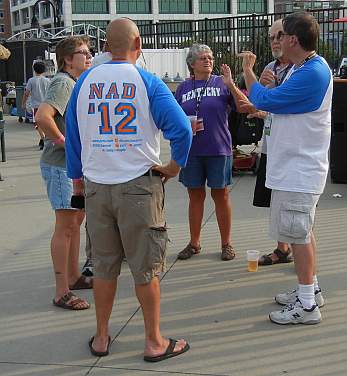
column 73, row 58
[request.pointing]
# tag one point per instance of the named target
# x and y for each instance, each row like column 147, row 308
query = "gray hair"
column 194, row 51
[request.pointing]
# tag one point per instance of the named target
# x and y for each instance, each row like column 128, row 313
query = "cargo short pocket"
column 158, row 239
column 295, row 220
column 90, row 189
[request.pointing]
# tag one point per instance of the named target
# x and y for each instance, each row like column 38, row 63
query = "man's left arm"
column 303, row 92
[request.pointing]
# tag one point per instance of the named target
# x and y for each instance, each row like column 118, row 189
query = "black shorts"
column 262, row 195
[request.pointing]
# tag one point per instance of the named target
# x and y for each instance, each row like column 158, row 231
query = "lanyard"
column 199, row 98
column 309, row 57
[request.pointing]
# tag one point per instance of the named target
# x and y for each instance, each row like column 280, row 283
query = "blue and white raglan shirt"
column 113, row 124
column 299, row 140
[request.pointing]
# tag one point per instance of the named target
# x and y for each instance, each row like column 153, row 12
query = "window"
column 175, row 6
column 1, row 14
column 46, row 10
column 145, row 27
column 214, row 6
column 2, row 28
column 16, row 18
column 176, row 27
column 14, row 3
column 215, row 27
column 25, row 15
column 134, row 6
column 252, row 6
column 89, row 6
column 97, row 23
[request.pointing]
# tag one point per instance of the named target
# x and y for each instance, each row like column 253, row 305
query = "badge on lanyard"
column 267, row 125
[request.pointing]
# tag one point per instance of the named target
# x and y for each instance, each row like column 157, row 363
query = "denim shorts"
column 59, row 186
column 215, row 170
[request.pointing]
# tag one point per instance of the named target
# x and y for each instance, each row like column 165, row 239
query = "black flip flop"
column 169, row 353
column 99, row 353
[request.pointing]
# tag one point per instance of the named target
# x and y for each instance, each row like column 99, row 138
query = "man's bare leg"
column 104, row 294
column 149, row 298
column 304, row 262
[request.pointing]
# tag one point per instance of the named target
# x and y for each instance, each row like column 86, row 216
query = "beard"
column 277, row 54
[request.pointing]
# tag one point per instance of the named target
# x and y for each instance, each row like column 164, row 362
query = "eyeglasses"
column 87, row 54
column 278, row 36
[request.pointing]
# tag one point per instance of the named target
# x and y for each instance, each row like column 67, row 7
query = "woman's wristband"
column 60, row 140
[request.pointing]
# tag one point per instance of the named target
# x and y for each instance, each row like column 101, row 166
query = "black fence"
column 228, row 36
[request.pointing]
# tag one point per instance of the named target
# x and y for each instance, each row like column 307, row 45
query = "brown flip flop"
column 99, row 353
column 169, row 353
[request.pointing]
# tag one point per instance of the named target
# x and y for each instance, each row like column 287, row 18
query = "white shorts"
column 292, row 216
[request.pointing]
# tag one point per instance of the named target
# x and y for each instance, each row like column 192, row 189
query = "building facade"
column 5, row 19
column 144, row 12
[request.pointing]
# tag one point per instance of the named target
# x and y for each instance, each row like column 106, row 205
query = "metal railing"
column 228, row 36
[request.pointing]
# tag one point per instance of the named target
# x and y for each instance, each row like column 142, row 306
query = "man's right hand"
column 268, row 78
column 78, row 187
column 168, row 171
column 248, row 60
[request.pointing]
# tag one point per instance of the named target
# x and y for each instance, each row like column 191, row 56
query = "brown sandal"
column 188, row 252
column 71, row 301
column 282, row 258
column 228, row 252
column 82, row 283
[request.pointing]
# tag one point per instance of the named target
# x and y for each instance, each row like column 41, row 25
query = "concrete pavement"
column 219, row 307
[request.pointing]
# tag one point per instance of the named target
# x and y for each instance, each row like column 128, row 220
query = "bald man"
column 114, row 119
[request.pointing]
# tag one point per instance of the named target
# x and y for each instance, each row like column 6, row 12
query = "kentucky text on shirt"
column 209, row 92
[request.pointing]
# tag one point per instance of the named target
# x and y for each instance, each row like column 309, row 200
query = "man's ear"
column 137, row 43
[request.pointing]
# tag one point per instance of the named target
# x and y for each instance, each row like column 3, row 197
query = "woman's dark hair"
column 39, row 67
column 305, row 27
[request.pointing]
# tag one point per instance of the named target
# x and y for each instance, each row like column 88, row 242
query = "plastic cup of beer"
column 193, row 122
column 252, row 260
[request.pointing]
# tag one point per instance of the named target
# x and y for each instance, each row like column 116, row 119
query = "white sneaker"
column 290, row 297
column 296, row 314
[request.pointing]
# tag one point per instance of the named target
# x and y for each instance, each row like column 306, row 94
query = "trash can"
column 338, row 165
column 19, row 98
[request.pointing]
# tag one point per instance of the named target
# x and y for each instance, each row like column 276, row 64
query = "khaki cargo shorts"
column 127, row 220
column 292, row 216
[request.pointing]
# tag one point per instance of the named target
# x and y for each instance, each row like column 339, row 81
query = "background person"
column 211, row 98
column 273, row 75
column 297, row 164
column 36, row 89
column 73, row 58
column 114, row 118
